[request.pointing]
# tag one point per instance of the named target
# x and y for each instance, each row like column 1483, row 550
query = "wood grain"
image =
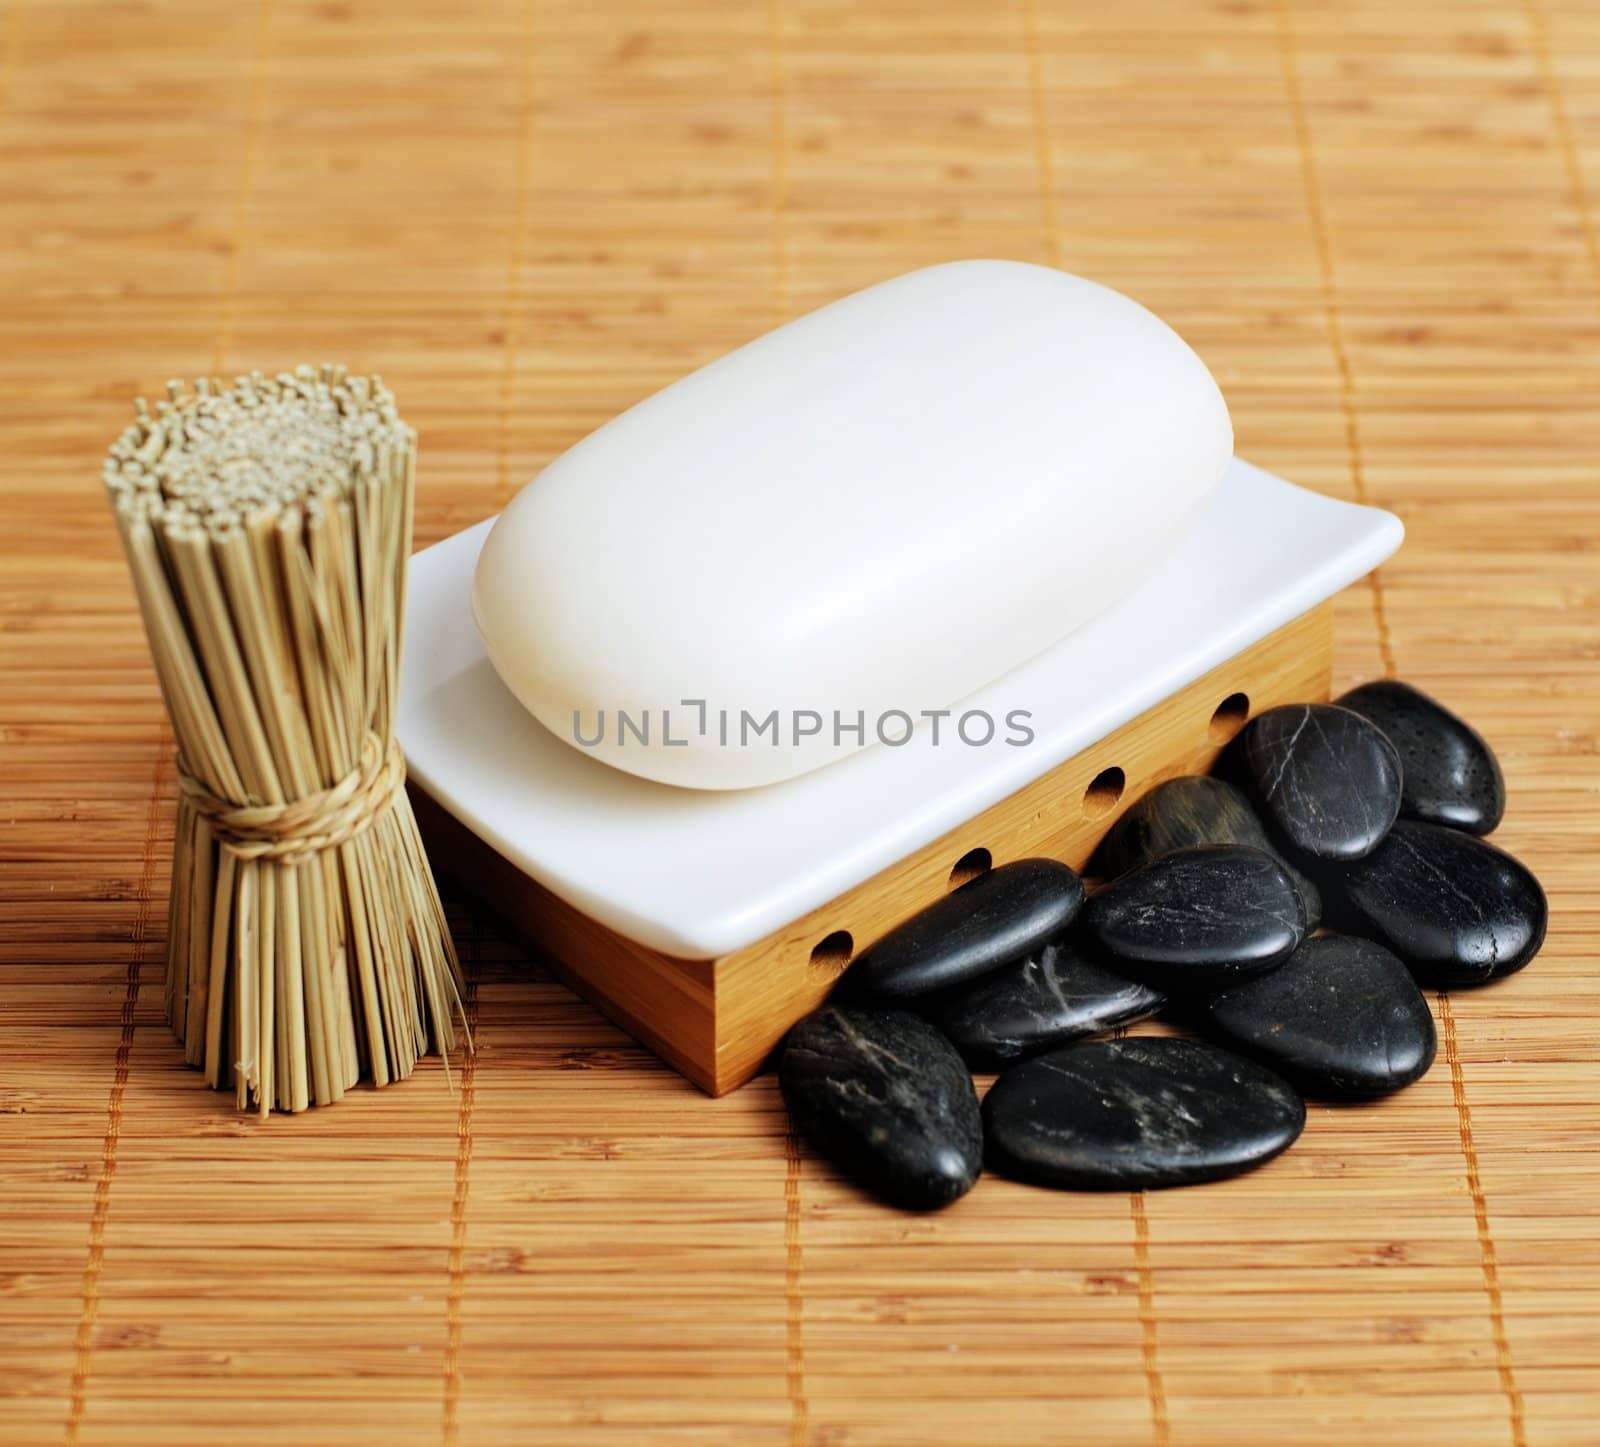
column 1376, row 219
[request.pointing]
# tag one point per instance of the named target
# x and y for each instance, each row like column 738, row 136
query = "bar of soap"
column 817, row 541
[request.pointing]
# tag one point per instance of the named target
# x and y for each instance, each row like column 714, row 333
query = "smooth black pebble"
column 1137, row 1113
column 1325, row 779
column 1457, row 910
column 1056, row 994
column 999, row 917
column 1178, row 813
column 1197, row 918
column 884, row 1096
column 1342, row 1018
column 1451, row 775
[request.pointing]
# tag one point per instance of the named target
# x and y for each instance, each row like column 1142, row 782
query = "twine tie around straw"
column 297, row 831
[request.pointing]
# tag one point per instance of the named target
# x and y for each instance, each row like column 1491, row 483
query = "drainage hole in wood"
column 1103, row 792
column 1229, row 717
column 833, row 952
column 970, row 866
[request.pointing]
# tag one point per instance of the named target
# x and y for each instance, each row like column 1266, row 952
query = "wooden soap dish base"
column 717, row 1020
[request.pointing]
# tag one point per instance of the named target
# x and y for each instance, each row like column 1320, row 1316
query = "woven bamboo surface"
column 1378, row 220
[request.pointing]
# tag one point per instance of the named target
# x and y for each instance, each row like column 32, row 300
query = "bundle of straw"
column 267, row 527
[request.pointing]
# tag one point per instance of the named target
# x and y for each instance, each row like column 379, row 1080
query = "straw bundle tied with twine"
column 267, row 527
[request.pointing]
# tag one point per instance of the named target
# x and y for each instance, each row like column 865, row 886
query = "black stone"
column 1198, row 918
column 1457, row 910
column 998, row 917
column 1131, row 1114
column 885, row 1097
column 1056, row 994
column 1341, row 1018
column 1196, row 809
column 1451, row 775
column 1326, row 780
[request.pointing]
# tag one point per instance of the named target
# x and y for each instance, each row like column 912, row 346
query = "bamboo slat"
column 1378, row 220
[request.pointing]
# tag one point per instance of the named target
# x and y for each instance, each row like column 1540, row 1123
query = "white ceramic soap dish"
column 707, row 922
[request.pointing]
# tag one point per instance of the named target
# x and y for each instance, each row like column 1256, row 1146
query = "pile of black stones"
column 1281, row 912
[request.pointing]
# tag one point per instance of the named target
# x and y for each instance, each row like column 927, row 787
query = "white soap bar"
column 858, row 520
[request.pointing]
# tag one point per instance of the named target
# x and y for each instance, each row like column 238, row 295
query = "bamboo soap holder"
column 706, row 923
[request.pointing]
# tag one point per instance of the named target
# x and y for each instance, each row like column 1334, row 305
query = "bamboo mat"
column 1378, row 220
